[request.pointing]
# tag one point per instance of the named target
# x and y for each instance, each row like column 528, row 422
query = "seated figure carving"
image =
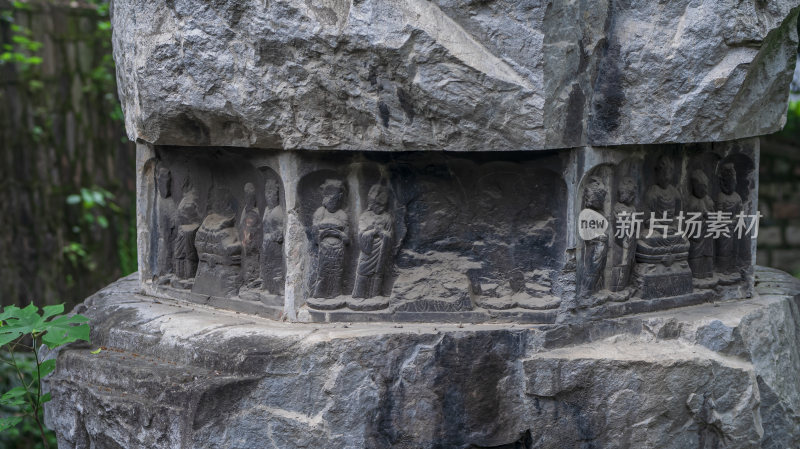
column 219, row 251
column 662, row 253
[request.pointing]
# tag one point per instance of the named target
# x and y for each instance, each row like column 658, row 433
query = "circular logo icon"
column 591, row 224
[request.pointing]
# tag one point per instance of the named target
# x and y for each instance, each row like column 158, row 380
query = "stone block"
column 440, row 75
column 175, row 376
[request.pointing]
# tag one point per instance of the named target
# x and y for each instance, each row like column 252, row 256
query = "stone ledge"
column 178, row 375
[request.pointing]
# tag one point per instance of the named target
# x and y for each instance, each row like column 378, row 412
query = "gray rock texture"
column 173, row 375
column 451, row 75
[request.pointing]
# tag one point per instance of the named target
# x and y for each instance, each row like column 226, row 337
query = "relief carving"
column 593, row 260
column 375, row 232
column 165, row 224
column 728, row 201
column 250, row 223
column 661, row 255
column 271, row 257
column 624, row 245
column 188, row 222
column 331, row 231
column 219, row 251
column 701, row 247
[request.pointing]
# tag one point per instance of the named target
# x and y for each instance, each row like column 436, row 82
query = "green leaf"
column 48, row 311
column 47, row 367
column 9, row 422
column 13, row 393
column 45, row 398
column 66, row 329
column 14, row 397
column 6, row 338
column 102, row 221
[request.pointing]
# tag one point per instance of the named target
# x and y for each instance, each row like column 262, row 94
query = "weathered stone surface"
column 175, row 376
column 451, row 75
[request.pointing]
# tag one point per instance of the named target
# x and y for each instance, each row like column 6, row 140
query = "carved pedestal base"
column 660, row 281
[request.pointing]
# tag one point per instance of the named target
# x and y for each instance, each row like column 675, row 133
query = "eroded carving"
column 187, row 224
column 662, row 254
column 165, row 224
column 271, row 257
column 331, row 231
column 701, row 246
column 219, row 250
column 625, row 242
column 595, row 250
column 375, row 232
column 729, row 202
column 250, row 224
column 406, row 236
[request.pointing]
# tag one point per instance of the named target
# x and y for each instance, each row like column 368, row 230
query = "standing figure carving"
column 625, row 244
column 701, row 247
column 165, row 219
column 331, row 234
column 730, row 202
column 219, row 251
column 271, row 260
column 250, row 225
column 188, row 223
column 375, row 232
column 593, row 259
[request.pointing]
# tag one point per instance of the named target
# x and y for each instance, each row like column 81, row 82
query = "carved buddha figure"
column 662, row 201
column 375, row 231
column 271, row 260
column 593, row 260
column 219, row 251
column 188, row 223
column 250, row 225
column 625, row 245
column 165, row 220
column 701, row 248
column 730, row 202
column 331, row 232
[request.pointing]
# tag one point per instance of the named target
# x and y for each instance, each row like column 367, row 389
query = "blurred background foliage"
column 66, row 168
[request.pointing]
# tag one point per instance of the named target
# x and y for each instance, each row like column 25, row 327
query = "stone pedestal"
column 395, row 224
column 174, row 375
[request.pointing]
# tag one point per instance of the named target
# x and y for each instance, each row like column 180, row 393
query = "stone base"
column 177, row 375
column 659, row 281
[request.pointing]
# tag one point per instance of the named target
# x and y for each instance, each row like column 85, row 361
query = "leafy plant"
column 22, row 49
column 94, row 203
column 25, row 330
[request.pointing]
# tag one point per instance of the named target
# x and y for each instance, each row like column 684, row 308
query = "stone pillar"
column 374, row 225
